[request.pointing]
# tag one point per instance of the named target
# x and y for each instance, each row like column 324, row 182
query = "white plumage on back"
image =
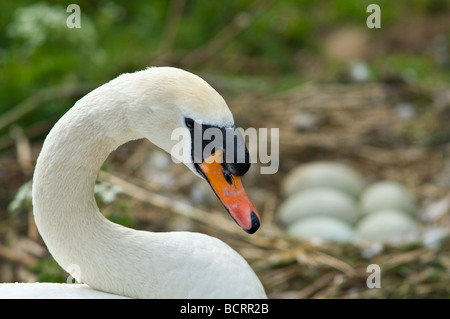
column 52, row 291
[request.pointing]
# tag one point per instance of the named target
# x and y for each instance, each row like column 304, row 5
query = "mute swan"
column 121, row 261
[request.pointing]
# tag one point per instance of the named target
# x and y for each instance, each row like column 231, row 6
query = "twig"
column 323, row 258
column 270, row 206
column 15, row 256
column 32, row 228
column 171, row 27
column 318, row 284
column 240, row 22
column 137, row 157
column 42, row 96
column 31, row 132
column 23, row 148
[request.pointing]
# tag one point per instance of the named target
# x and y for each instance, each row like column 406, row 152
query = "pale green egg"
column 321, row 228
column 323, row 174
column 386, row 195
column 318, row 202
column 386, row 225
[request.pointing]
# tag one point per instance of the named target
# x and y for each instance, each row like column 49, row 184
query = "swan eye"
column 189, row 123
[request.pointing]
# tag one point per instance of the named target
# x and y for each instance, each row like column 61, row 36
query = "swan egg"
column 386, row 195
column 323, row 174
column 318, row 202
column 386, row 225
column 321, row 228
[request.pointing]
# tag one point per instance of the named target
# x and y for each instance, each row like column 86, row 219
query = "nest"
column 365, row 126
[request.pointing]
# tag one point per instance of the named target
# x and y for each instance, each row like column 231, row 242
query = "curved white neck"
column 65, row 209
column 111, row 257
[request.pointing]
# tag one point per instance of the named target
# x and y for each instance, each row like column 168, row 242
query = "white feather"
column 111, row 258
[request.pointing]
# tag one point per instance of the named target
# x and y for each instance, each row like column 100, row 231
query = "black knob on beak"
column 237, row 168
column 237, row 159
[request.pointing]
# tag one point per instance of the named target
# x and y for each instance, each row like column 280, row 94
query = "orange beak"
column 231, row 193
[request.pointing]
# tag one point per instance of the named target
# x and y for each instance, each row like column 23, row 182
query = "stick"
column 15, row 256
column 23, row 148
column 171, row 27
column 42, row 96
column 318, row 284
column 228, row 33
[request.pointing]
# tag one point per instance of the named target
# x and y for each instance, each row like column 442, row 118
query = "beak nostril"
column 228, row 176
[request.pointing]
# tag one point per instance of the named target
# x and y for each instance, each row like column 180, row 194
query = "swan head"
column 172, row 100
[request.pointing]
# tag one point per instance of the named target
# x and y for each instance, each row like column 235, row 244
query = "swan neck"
column 65, row 209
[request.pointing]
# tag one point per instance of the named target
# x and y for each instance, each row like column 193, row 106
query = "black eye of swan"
column 189, row 123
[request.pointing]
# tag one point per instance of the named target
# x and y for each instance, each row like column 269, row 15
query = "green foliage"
column 48, row 270
column 38, row 50
column 122, row 219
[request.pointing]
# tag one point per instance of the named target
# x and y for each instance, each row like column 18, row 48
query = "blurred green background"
column 264, row 48
column 280, row 42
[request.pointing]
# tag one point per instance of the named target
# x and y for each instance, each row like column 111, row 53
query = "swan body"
column 43, row 290
column 112, row 258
